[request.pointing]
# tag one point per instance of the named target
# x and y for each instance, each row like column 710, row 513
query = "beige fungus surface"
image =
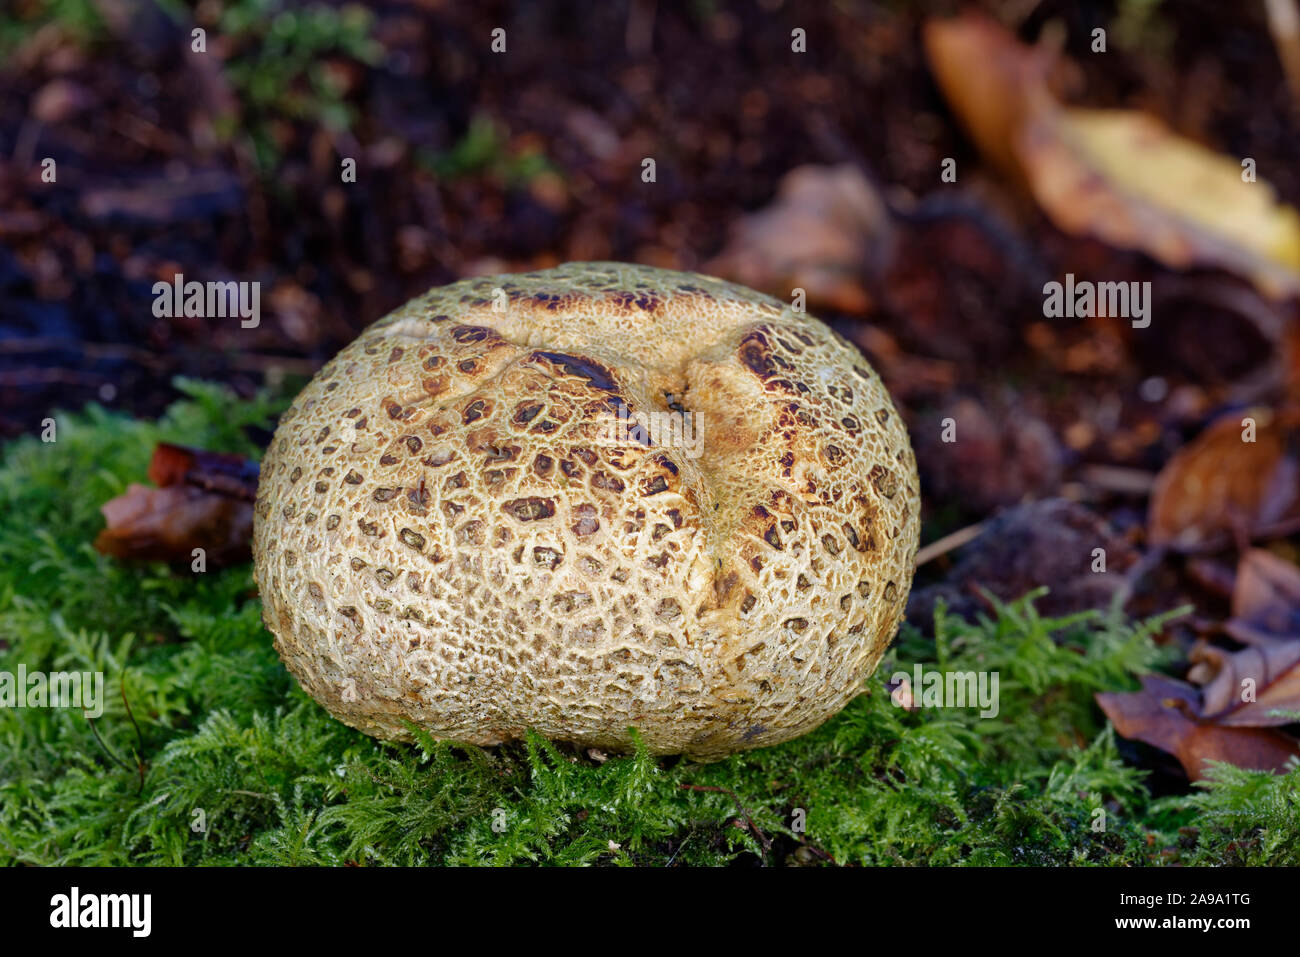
column 445, row 533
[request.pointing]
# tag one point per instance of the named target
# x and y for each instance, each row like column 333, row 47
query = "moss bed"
column 208, row 753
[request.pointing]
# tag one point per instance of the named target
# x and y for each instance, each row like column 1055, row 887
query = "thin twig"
column 686, row 840
column 1261, row 533
column 948, row 543
column 95, row 731
column 1114, row 478
column 1138, row 572
column 139, row 761
column 749, row 822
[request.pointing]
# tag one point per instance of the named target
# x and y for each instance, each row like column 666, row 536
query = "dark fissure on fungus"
column 582, row 367
column 599, row 378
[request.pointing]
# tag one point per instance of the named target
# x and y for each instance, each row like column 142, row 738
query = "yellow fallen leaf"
column 1127, row 179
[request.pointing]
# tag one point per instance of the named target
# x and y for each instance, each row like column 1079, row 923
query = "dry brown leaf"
column 223, row 472
column 1047, row 542
column 205, row 501
column 992, row 82
column 823, row 232
column 1248, row 634
column 167, row 524
column 1266, row 595
column 1269, row 672
column 1159, row 716
column 1219, row 485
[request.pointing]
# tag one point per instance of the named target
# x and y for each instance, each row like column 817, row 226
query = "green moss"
column 221, row 759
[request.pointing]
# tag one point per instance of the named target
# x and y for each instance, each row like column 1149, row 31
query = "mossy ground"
column 218, row 733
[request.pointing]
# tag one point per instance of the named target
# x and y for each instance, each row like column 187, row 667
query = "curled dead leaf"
column 1257, row 687
column 167, row 524
column 1266, row 594
column 222, row 472
column 1161, row 715
column 205, row 501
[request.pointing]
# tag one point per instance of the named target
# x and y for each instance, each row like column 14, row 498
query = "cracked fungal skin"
column 445, row 533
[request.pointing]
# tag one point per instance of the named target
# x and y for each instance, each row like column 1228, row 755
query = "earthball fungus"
column 586, row 499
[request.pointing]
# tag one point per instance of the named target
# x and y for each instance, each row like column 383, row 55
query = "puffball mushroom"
column 586, row 499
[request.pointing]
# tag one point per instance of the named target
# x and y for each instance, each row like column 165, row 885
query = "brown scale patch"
column 553, row 302
column 548, row 558
column 885, row 481
column 525, row 412
column 529, row 509
column 419, row 497
column 467, row 334
column 585, row 520
column 607, row 482
column 498, row 452
column 756, row 353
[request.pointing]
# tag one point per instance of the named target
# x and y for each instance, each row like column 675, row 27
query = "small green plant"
column 284, row 66
column 483, row 150
column 207, row 752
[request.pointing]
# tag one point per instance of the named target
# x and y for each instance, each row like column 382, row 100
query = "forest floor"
column 226, row 165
